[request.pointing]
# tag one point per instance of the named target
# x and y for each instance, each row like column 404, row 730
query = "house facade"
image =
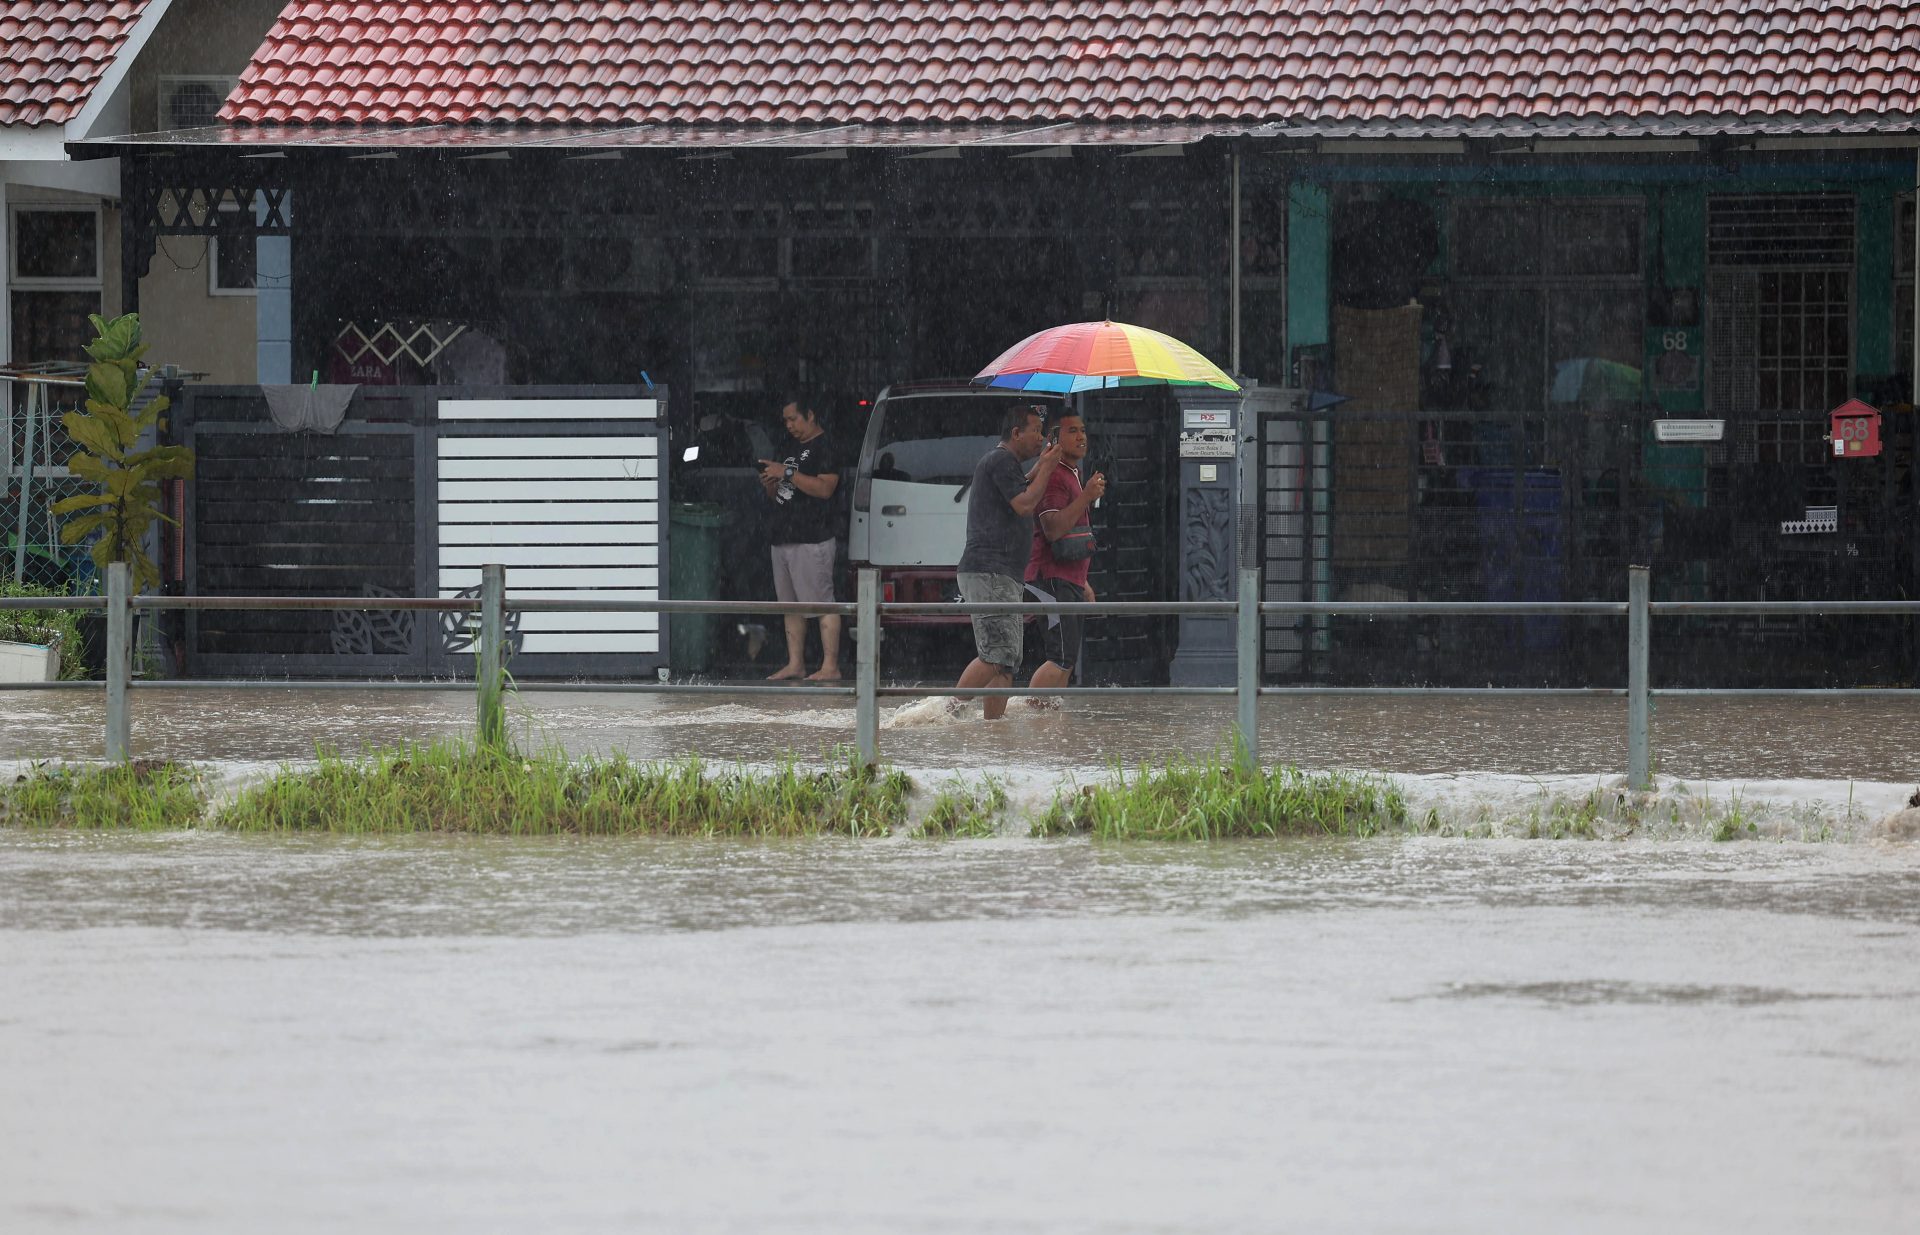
column 1491, row 246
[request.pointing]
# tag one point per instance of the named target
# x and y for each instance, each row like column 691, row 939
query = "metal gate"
column 409, row 495
column 1133, row 526
column 1548, row 506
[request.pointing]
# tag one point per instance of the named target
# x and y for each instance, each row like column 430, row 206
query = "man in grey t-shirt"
column 1000, row 505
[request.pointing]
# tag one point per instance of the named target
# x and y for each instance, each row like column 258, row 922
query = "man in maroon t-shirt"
column 1063, row 548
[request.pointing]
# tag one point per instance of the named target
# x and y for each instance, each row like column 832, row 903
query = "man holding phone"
column 801, row 485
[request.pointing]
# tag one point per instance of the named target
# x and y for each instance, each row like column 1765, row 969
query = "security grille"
column 1780, row 229
column 1780, row 302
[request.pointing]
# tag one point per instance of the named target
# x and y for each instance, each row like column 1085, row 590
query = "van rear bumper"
column 922, row 585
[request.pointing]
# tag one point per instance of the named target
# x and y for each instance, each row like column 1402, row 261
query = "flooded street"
column 218, row 1033
column 1868, row 739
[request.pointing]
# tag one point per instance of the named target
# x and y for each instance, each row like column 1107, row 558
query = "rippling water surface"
column 218, row 1033
column 1825, row 738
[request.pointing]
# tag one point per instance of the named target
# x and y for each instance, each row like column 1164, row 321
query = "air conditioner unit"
column 192, row 102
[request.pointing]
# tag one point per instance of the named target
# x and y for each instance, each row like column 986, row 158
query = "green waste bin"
column 693, row 573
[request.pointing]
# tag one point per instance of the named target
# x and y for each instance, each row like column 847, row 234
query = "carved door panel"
column 1135, row 532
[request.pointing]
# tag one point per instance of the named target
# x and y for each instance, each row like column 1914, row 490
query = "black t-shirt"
column 797, row 518
column 998, row 540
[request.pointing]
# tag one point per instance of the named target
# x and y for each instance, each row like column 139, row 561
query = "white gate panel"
column 598, row 642
column 512, row 556
column 547, row 447
column 612, row 468
column 549, row 512
column 550, row 533
column 569, row 516
column 592, row 411
column 560, row 583
column 553, row 492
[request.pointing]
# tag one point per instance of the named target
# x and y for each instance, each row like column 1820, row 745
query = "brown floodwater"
column 1868, row 739
column 212, row 1033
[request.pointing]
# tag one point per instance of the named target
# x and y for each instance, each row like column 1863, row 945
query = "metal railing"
column 867, row 610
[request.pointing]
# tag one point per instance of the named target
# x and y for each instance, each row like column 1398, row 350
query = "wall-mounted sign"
column 1689, row 430
column 1207, row 418
column 1856, row 430
column 1207, row 444
column 1673, row 357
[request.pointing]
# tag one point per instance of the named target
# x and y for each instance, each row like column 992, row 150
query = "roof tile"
column 53, row 55
column 1040, row 61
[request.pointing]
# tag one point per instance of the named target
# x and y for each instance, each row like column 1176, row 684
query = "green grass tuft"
column 144, row 795
column 1214, row 799
column 463, row 787
column 963, row 809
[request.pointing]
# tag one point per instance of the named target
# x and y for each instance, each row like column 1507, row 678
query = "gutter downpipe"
column 1234, row 245
column 1913, row 395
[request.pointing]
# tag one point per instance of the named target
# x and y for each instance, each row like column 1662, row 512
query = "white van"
column 910, row 487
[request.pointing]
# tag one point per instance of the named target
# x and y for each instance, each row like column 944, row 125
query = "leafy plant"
column 109, row 432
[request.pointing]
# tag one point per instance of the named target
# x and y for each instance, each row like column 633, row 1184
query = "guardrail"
column 867, row 609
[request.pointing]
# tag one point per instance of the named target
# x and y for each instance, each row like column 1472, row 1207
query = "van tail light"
column 886, row 592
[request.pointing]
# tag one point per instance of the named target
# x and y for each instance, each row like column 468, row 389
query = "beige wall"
column 185, row 326
column 197, row 37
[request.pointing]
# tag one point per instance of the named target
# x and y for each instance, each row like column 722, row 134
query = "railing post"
column 1639, row 771
column 119, row 658
column 866, row 671
column 490, row 686
column 1247, row 671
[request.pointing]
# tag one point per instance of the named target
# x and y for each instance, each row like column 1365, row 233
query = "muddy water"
column 1771, row 739
column 220, row 1034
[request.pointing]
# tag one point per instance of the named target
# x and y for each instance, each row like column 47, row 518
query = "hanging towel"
column 308, row 409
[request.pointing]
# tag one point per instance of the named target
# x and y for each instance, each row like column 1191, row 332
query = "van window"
column 936, row 441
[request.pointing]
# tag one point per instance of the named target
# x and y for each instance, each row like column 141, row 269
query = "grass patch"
column 963, row 809
column 461, row 787
column 145, row 795
column 1218, row 799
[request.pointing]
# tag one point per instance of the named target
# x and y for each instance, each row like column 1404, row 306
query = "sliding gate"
column 410, row 494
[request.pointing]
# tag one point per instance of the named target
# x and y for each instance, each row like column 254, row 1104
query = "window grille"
column 1780, row 302
column 1780, row 229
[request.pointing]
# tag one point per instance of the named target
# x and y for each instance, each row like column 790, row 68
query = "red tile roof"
column 53, row 55
column 1360, row 63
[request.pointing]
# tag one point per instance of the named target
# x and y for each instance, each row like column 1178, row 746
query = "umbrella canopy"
column 1099, row 355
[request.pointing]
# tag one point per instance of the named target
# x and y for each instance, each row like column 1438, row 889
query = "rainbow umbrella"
column 1099, row 355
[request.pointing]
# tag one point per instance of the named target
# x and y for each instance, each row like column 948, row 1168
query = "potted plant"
column 129, row 501
column 38, row 645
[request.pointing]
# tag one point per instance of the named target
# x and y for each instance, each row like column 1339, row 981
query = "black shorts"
column 1062, row 639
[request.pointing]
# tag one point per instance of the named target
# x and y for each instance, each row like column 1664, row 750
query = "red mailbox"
column 1856, row 431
